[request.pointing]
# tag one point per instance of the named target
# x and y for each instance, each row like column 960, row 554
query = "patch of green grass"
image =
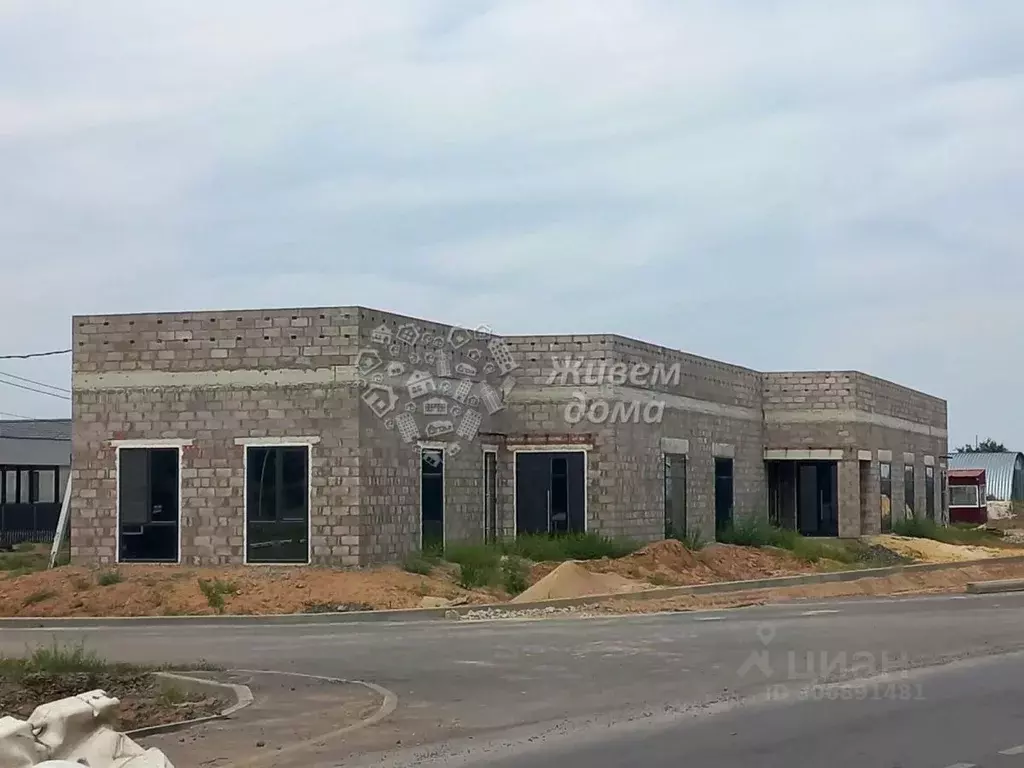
column 515, row 575
column 25, row 558
column 416, row 562
column 573, row 546
column 503, row 563
column 693, row 541
column 758, row 533
column 53, row 660
column 172, row 695
column 923, row 528
column 109, row 578
column 214, row 590
column 40, row 596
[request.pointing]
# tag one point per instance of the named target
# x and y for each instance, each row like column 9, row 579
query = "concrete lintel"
column 863, row 455
column 489, row 447
column 885, row 456
column 850, row 416
column 675, row 445
column 550, row 448
column 929, row 461
column 258, row 441
column 279, row 377
column 158, row 442
column 723, row 450
column 803, row 454
column 908, row 458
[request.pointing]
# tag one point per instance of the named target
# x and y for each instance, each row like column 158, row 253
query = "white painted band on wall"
column 885, row 456
column 803, row 454
column 929, row 461
column 677, row 445
column 723, row 450
column 159, row 442
column 863, row 455
column 432, row 446
column 257, row 377
column 550, row 448
column 258, row 441
column 850, row 416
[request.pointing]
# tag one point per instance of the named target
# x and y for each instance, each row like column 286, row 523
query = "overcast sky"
column 783, row 184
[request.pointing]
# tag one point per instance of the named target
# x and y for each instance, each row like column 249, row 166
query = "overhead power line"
column 34, row 389
column 33, row 381
column 17, row 416
column 36, row 354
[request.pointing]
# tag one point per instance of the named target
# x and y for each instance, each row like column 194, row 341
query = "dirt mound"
column 571, row 579
column 930, row 551
column 732, row 563
column 175, row 590
column 663, row 562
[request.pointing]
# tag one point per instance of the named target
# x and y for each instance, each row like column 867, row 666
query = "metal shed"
column 1004, row 472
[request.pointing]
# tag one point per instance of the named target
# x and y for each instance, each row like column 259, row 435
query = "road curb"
column 455, row 612
column 242, row 694
column 995, row 587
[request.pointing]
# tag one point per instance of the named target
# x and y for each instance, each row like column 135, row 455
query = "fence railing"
column 28, row 522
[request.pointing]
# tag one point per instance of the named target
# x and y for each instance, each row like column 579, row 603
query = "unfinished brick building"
column 351, row 436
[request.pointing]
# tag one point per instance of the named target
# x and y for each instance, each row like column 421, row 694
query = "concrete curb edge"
column 995, row 587
column 434, row 614
column 243, row 698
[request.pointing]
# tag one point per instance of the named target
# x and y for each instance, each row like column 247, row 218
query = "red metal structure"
column 967, row 496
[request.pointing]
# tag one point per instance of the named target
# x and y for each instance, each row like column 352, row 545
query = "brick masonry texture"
column 365, row 506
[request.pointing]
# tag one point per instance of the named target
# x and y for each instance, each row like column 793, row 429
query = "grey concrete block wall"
column 212, row 378
column 189, row 377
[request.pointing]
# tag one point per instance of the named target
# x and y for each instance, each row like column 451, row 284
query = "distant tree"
column 988, row 445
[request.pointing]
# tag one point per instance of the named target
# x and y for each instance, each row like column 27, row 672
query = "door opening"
column 148, row 504
column 802, row 496
column 885, row 495
column 723, row 494
column 550, row 492
column 432, row 499
column 675, row 496
column 929, row 492
column 277, row 504
column 490, row 496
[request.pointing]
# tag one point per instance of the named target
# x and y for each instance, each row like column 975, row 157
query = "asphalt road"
column 700, row 689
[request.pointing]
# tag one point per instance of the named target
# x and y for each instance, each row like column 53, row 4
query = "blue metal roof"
column 1004, row 472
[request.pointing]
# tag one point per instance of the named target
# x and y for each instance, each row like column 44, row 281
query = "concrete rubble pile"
column 73, row 732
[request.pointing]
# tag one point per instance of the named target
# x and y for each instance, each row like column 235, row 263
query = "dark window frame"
column 675, row 470
column 909, row 490
column 929, row 492
column 490, row 468
column 175, row 517
column 261, row 454
column 436, row 473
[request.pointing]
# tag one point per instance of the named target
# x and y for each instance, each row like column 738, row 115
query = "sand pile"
column 571, row 579
column 929, row 551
